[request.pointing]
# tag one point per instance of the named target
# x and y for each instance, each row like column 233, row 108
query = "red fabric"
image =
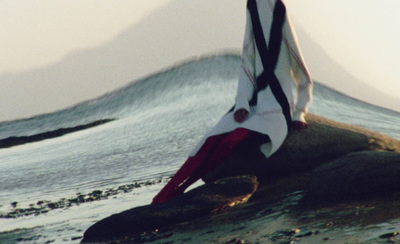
column 215, row 150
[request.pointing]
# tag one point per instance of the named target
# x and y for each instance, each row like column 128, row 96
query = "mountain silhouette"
column 330, row 73
column 180, row 31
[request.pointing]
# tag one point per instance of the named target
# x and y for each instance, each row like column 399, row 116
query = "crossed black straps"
column 269, row 55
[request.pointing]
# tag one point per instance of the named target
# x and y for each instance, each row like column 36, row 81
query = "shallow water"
column 158, row 121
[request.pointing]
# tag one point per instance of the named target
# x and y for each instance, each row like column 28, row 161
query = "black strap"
column 270, row 56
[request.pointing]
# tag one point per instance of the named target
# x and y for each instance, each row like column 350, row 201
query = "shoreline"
column 20, row 140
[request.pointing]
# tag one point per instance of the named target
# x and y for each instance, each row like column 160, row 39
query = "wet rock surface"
column 322, row 142
column 199, row 202
column 324, row 154
column 278, row 213
column 357, row 175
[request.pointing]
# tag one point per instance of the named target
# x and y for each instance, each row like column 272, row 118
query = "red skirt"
column 214, row 151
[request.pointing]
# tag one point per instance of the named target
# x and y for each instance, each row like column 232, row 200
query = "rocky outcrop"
column 323, row 141
column 329, row 160
column 357, row 175
column 199, row 202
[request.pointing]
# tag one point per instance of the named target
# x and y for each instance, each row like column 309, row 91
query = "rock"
column 360, row 174
column 337, row 160
column 389, row 235
column 199, row 202
column 323, row 141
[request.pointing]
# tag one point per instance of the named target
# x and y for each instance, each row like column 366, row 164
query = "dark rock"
column 360, row 174
column 237, row 241
column 96, row 193
column 323, row 141
column 337, row 152
column 389, row 235
column 306, row 233
column 76, row 238
column 284, row 236
column 199, row 202
column 53, row 205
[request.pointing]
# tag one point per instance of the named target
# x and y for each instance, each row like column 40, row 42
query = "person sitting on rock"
column 265, row 106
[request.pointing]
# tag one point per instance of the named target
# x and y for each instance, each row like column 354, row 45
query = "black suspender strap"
column 270, row 55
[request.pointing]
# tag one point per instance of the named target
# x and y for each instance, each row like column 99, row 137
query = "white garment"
column 267, row 117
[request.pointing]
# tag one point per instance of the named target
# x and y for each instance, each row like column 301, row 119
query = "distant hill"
column 330, row 73
column 182, row 30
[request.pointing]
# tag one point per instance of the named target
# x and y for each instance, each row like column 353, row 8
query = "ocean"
column 52, row 190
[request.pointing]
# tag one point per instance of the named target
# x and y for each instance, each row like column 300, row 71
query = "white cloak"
column 266, row 117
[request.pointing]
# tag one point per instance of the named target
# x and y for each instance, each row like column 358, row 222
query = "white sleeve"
column 300, row 72
column 247, row 77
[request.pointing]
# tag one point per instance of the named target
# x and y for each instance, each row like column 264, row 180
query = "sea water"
column 158, row 120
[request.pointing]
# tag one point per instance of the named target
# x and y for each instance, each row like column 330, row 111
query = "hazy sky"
column 35, row 33
column 363, row 35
